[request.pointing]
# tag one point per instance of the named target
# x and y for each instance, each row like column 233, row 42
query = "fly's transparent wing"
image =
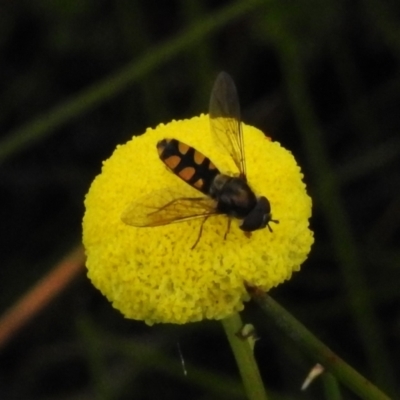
column 165, row 207
column 225, row 119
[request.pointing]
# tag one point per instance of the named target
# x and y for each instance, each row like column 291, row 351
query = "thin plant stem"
column 317, row 350
column 243, row 352
column 331, row 387
column 41, row 294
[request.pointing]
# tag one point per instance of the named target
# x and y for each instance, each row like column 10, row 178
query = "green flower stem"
column 316, row 349
column 331, row 387
column 244, row 356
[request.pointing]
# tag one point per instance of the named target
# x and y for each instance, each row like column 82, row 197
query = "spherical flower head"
column 152, row 273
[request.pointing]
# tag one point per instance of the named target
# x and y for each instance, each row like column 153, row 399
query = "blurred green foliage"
column 79, row 77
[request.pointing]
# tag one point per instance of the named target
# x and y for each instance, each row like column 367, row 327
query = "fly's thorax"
column 218, row 185
column 234, row 195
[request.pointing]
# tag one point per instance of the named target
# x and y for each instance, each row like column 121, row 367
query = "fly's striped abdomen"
column 189, row 164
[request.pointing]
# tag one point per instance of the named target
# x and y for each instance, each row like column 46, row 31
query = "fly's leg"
column 228, row 228
column 200, row 232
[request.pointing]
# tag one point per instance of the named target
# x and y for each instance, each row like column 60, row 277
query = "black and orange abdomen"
column 189, row 164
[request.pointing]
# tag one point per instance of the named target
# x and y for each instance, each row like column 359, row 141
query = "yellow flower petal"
column 151, row 273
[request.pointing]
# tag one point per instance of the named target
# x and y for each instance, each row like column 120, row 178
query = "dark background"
column 321, row 77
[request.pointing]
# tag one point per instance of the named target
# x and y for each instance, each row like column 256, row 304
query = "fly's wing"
column 165, row 207
column 225, row 119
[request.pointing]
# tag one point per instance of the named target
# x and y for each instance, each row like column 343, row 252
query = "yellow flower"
column 152, row 273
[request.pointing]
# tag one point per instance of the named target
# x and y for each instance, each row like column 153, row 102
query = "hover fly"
column 222, row 194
